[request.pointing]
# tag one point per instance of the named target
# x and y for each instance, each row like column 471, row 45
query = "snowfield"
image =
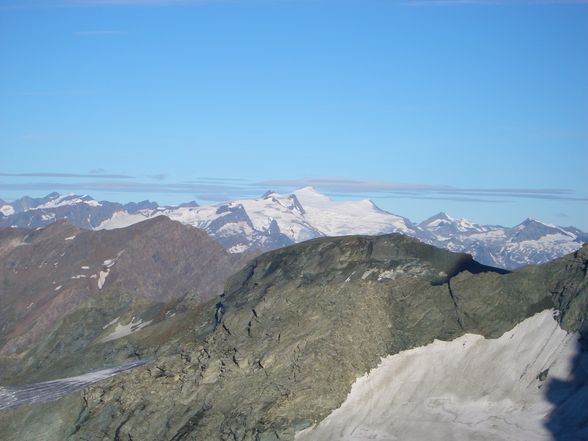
column 470, row 388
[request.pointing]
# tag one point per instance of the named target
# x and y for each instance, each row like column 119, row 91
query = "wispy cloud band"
column 66, row 175
column 391, row 189
column 98, row 33
column 221, row 189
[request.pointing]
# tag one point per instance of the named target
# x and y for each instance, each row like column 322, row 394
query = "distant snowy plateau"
column 277, row 220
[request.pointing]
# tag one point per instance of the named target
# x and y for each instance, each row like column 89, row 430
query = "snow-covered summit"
column 444, row 225
column 529, row 242
column 70, row 199
column 82, row 210
column 277, row 219
column 338, row 218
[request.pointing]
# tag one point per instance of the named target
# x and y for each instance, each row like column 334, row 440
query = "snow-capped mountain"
column 82, row 211
column 276, row 219
column 529, row 242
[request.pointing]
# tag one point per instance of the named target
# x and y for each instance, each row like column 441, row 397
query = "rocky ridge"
column 293, row 331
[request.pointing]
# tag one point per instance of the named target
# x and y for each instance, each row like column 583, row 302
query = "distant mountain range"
column 276, row 220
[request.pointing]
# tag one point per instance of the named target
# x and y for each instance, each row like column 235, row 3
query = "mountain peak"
column 310, row 192
column 531, row 222
column 308, row 189
column 268, row 194
column 436, row 219
column 443, row 215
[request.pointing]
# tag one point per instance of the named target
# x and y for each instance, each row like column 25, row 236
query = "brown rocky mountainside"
column 48, row 274
column 298, row 326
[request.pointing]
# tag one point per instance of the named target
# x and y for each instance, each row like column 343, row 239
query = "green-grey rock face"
column 296, row 328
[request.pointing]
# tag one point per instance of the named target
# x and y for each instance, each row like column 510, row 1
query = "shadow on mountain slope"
column 569, row 419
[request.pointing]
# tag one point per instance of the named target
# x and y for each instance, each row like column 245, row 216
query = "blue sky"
column 476, row 108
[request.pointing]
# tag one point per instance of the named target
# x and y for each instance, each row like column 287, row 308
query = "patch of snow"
column 468, row 388
column 79, row 276
column 93, row 203
column 102, row 278
column 368, row 273
column 110, row 323
column 70, row 237
column 124, row 330
column 48, row 216
column 108, row 263
column 348, row 279
column 122, row 219
column 7, row 210
column 85, row 267
column 57, row 288
column 388, row 274
column 238, row 248
column 67, row 200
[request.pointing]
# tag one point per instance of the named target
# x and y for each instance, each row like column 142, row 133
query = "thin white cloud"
column 220, row 189
column 128, row 2
column 343, row 186
column 449, row 2
column 97, row 174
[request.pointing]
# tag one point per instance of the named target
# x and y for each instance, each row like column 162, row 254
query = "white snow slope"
column 301, row 215
column 471, row 388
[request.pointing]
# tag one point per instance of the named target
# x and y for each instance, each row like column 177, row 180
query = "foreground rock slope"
column 297, row 328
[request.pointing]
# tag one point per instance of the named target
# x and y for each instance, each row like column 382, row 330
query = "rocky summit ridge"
column 295, row 328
